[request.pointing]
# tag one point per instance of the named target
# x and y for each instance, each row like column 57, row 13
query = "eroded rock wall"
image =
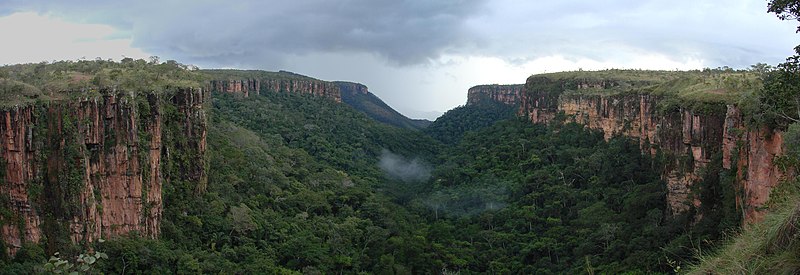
column 91, row 168
column 302, row 86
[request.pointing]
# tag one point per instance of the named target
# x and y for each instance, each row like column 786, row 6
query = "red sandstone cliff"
column 303, row 86
column 692, row 138
column 92, row 166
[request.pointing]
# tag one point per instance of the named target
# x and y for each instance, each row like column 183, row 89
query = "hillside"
column 359, row 97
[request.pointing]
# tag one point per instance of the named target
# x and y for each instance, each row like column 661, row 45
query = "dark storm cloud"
column 252, row 33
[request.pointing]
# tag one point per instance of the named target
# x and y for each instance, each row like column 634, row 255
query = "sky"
column 419, row 56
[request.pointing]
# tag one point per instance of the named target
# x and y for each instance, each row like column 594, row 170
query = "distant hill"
column 358, row 96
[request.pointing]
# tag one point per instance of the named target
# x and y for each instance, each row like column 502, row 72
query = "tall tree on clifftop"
column 779, row 101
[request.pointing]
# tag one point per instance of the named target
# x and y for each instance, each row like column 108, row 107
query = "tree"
column 780, row 97
column 781, row 94
column 787, row 10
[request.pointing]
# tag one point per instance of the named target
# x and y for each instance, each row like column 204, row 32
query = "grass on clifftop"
column 709, row 85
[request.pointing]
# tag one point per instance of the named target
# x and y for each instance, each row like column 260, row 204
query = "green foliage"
column 84, row 264
column 532, row 199
column 450, row 127
column 778, row 103
column 791, row 140
column 786, row 10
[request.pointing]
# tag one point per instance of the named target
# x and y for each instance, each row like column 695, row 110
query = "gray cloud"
column 398, row 167
column 263, row 34
column 255, row 33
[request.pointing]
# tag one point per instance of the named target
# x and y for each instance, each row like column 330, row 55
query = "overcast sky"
column 417, row 55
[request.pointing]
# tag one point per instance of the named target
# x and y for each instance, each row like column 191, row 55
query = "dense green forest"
column 451, row 127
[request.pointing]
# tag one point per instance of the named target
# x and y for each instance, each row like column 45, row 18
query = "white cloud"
column 31, row 37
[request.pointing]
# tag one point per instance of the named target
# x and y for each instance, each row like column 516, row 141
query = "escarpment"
column 94, row 168
column 690, row 139
column 290, row 85
column 506, row 94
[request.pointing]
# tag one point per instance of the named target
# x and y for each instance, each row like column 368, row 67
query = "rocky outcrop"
column 506, row 94
column 291, row 85
column 690, row 138
column 353, row 88
column 92, row 168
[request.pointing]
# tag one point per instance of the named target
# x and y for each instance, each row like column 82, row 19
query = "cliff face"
column 303, row 86
column 751, row 154
column 507, row 94
column 244, row 86
column 92, row 168
column 690, row 139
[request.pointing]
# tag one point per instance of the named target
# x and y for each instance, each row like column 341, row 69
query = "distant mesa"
column 248, row 82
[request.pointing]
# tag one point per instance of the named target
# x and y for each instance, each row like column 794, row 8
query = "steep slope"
column 359, row 97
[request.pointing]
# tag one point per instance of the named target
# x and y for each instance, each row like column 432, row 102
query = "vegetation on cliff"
column 26, row 83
